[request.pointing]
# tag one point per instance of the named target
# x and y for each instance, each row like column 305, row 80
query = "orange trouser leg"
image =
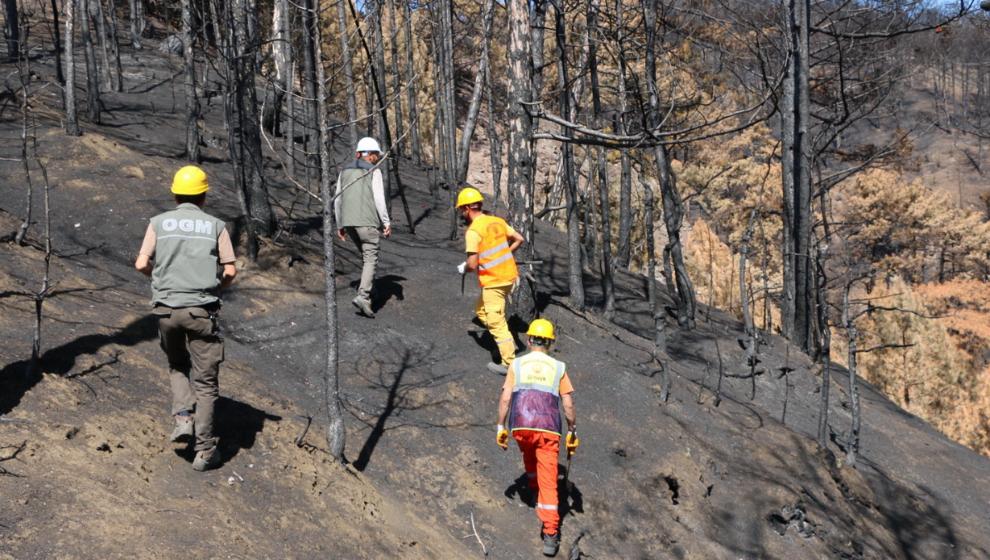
column 546, row 449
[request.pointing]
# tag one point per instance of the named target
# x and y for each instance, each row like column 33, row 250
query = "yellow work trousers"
column 490, row 309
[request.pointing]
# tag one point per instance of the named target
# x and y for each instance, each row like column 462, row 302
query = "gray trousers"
column 194, row 349
column 366, row 239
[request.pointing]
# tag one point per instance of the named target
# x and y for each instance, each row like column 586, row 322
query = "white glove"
column 462, row 268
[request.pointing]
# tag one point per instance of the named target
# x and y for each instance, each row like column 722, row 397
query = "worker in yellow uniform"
column 489, row 243
column 536, row 386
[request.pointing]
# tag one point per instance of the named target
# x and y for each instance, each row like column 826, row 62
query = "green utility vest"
column 186, row 272
column 357, row 201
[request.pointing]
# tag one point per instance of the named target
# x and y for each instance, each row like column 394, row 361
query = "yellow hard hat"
column 469, row 195
column 541, row 328
column 190, row 180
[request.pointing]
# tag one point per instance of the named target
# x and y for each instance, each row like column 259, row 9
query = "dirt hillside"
column 90, row 473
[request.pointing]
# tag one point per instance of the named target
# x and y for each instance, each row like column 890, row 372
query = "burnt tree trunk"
column 464, row 150
column 852, row 334
column 92, row 70
column 331, row 373
column 192, row 100
column 378, row 72
column 575, row 269
column 96, row 13
column 248, row 126
column 57, row 42
column 396, row 81
column 414, row 139
column 796, row 300
column 623, row 251
column 11, row 29
column 118, row 84
column 659, row 317
column 520, row 123
column 673, row 212
column 69, row 91
column 604, row 210
column 494, row 142
column 137, row 22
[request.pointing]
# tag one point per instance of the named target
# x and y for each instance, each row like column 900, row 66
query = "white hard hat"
column 368, row 144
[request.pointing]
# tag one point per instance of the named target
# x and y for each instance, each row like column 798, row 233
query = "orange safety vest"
column 496, row 266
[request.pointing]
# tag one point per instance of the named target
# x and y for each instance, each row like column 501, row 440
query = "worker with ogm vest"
column 535, row 388
column 362, row 215
column 193, row 260
column 489, row 243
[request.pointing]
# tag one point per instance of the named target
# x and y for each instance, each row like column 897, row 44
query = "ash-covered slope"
column 681, row 479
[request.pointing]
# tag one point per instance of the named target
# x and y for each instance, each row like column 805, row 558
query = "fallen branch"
column 484, row 550
column 300, row 439
column 115, row 358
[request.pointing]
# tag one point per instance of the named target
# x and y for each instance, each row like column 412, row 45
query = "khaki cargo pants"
column 192, row 343
column 367, row 240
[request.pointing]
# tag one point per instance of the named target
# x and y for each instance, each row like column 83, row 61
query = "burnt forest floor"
column 87, row 471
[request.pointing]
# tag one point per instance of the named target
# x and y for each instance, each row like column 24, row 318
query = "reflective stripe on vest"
column 496, row 266
column 535, row 401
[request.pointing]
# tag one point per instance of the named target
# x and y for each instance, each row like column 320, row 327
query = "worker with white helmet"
column 361, row 214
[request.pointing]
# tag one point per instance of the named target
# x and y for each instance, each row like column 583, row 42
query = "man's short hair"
column 197, row 199
column 539, row 341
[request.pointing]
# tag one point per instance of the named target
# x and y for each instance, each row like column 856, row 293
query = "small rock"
column 103, row 447
column 71, row 433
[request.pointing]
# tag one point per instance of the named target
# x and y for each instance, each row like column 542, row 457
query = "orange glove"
column 572, row 441
column 502, row 437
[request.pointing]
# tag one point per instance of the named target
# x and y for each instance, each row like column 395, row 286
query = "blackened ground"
column 682, row 479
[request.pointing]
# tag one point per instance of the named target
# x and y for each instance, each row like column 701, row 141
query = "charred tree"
column 623, row 250
column 604, row 210
column 118, row 83
column 414, row 139
column 377, row 57
column 520, row 154
column 69, row 91
column 464, row 150
column 247, row 124
column 192, row 100
column 92, row 70
column 57, row 42
column 796, row 300
column 137, row 22
column 673, row 212
column 494, row 142
column 331, row 373
column 11, row 29
column 96, row 13
column 396, row 80
column 575, row 269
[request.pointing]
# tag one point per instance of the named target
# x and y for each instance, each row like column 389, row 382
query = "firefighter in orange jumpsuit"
column 489, row 244
column 536, row 386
